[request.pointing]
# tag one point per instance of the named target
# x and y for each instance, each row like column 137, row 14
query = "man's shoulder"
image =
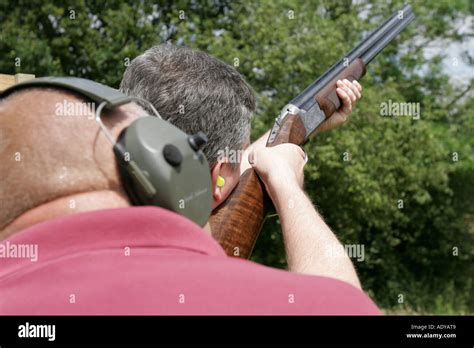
column 299, row 293
column 148, row 261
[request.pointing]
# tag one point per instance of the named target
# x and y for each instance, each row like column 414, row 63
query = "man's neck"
column 73, row 204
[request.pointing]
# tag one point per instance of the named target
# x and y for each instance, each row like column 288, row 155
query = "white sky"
column 453, row 63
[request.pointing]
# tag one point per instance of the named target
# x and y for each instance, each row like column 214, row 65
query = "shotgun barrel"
column 365, row 50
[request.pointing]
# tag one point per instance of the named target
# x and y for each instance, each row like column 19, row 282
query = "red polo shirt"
column 147, row 260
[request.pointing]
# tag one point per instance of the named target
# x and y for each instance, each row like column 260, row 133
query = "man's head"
column 197, row 92
column 47, row 156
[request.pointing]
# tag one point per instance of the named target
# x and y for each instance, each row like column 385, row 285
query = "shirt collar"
column 110, row 228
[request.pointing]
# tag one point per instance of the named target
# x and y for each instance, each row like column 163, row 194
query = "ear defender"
column 220, row 181
column 159, row 164
column 166, row 168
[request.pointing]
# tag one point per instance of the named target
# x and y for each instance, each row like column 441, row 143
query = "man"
column 61, row 193
column 196, row 91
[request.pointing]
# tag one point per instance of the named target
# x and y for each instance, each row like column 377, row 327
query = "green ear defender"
column 159, row 164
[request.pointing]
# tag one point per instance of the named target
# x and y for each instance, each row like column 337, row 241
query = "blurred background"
column 401, row 187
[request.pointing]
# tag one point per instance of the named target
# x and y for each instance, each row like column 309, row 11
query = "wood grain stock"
column 291, row 131
column 237, row 222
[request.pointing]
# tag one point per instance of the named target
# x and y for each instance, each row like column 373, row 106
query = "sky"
column 453, row 63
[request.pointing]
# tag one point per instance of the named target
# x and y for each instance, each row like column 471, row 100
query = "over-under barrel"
column 366, row 50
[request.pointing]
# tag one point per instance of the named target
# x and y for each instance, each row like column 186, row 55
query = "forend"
column 319, row 100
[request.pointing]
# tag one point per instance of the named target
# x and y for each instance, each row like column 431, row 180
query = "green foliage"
column 409, row 250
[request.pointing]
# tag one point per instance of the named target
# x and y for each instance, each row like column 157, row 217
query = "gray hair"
column 195, row 92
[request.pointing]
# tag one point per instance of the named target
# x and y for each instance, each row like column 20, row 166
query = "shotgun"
column 237, row 222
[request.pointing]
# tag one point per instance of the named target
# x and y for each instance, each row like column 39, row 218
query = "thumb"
column 251, row 158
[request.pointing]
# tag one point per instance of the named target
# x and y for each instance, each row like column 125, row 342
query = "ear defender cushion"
column 160, row 165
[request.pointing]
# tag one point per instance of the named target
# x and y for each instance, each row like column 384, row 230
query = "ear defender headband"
column 159, row 164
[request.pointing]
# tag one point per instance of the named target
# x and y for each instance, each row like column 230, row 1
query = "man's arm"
column 307, row 238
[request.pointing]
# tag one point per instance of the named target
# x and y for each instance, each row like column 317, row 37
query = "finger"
column 353, row 88
column 346, row 100
column 349, row 91
column 343, row 86
column 358, row 85
column 303, row 154
column 251, row 158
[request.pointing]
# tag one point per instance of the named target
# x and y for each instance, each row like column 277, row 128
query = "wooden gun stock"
column 237, row 222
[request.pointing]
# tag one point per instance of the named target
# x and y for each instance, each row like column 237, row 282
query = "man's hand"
column 350, row 93
column 279, row 165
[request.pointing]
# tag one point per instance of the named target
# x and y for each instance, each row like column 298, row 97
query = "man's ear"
column 229, row 179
